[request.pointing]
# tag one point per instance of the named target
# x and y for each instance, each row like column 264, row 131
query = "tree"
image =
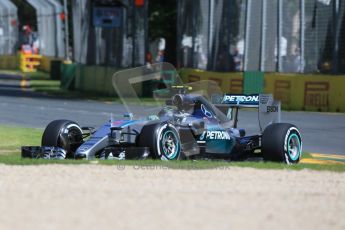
column 162, row 23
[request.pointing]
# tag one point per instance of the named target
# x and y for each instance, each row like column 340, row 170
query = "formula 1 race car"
column 169, row 120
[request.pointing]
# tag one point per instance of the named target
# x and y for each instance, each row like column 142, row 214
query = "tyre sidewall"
column 288, row 159
column 161, row 131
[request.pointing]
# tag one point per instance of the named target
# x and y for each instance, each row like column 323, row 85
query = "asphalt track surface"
column 321, row 132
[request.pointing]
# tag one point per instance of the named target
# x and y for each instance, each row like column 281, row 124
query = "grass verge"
column 11, row 138
column 52, row 88
column 41, row 83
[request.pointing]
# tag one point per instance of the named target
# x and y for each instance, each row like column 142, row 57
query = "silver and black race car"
column 168, row 120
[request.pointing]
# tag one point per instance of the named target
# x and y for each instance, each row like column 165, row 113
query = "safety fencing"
column 262, row 35
column 50, row 36
column 97, row 24
column 8, row 27
column 295, row 91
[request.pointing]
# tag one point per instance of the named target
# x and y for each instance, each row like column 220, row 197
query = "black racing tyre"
column 163, row 139
column 64, row 134
column 282, row 142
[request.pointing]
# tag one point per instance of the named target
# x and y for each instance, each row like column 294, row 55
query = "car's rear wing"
column 269, row 110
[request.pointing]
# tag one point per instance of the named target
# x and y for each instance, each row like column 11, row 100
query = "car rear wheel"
column 282, row 142
column 64, row 134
